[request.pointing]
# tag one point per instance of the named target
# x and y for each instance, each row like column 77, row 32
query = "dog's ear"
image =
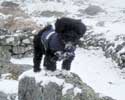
column 59, row 26
column 57, row 19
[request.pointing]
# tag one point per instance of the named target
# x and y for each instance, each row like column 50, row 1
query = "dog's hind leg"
column 38, row 53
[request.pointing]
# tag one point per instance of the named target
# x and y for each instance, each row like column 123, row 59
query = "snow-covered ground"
column 100, row 73
column 8, row 86
column 95, row 70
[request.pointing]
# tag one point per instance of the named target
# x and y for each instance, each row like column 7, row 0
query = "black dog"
column 58, row 44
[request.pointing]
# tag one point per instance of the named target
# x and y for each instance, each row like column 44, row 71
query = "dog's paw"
column 37, row 70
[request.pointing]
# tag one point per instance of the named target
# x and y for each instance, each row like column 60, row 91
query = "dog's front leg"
column 50, row 62
column 67, row 63
column 37, row 60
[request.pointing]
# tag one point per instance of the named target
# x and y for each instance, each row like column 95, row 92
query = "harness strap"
column 46, row 40
column 49, row 35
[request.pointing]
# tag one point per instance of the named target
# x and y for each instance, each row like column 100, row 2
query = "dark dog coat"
column 51, row 41
column 58, row 44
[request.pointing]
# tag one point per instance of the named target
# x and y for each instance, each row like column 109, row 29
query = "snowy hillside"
column 108, row 22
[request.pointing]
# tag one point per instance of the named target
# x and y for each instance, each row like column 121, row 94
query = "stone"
column 114, row 50
column 93, row 10
column 9, row 4
column 4, row 96
column 26, row 41
column 15, row 70
column 22, row 51
column 106, row 98
column 52, row 13
column 4, row 31
column 101, row 23
column 47, row 85
column 5, row 55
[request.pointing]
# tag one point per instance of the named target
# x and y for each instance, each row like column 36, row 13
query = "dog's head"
column 69, row 36
column 70, row 30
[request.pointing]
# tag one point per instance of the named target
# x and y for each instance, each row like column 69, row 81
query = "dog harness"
column 50, row 40
column 45, row 38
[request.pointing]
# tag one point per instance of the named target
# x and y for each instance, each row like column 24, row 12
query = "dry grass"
column 17, row 20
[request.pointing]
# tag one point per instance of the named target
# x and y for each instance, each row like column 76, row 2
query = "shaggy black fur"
column 68, row 30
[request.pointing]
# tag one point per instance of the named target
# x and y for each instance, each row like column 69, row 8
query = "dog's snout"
column 69, row 46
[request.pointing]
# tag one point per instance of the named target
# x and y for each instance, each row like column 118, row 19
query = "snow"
column 22, row 61
column 97, row 71
column 100, row 73
column 111, row 30
column 114, row 3
column 38, row 6
column 8, row 86
column 66, row 87
column 44, row 76
column 77, row 90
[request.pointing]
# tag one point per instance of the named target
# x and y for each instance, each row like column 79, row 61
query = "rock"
column 12, row 9
column 9, row 4
column 14, row 18
column 124, row 11
column 20, row 23
column 5, row 55
column 14, row 69
column 21, row 49
column 16, row 44
column 101, row 24
column 93, row 10
column 51, row 13
column 4, row 96
column 56, row 85
column 112, row 49
column 26, row 41
column 4, row 31
column 106, row 98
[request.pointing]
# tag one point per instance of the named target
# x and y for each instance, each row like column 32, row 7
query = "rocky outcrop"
column 114, row 49
column 9, row 4
column 93, row 10
column 4, row 96
column 18, row 44
column 57, row 85
column 16, row 38
column 16, row 31
column 51, row 13
column 14, row 70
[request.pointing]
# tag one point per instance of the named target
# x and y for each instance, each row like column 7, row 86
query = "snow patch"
column 22, row 61
column 77, row 90
column 9, row 86
column 99, row 72
column 66, row 87
column 42, row 76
